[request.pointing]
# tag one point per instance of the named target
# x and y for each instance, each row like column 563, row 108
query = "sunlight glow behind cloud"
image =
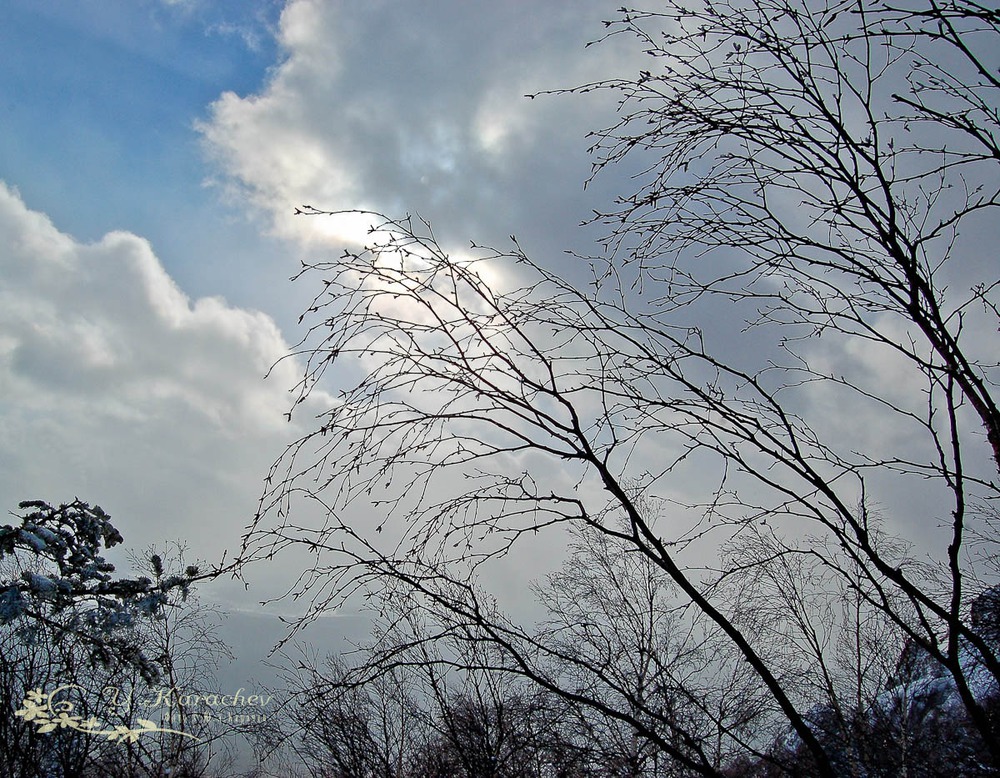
column 369, row 110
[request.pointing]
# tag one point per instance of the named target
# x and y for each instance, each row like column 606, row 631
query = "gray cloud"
column 422, row 108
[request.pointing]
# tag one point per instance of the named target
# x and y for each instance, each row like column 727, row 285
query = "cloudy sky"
column 151, row 155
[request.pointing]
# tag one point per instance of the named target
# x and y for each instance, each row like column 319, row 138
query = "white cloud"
column 402, row 107
column 119, row 389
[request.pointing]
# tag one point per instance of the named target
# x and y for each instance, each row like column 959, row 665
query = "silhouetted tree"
column 802, row 258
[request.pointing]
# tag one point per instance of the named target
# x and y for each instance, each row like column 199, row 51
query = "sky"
column 152, row 156
column 152, row 153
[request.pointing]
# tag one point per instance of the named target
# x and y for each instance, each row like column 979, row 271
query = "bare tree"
column 417, row 708
column 625, row 637
column 337, row 728
column 802, row 258
column 184, row 642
